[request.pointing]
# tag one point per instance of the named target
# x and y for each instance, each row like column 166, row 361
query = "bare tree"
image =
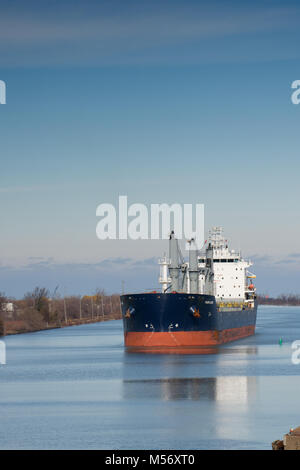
column 2, row 303
column 39, row 301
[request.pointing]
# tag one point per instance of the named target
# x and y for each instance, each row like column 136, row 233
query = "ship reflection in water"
column 187, row 350
column 236, row 390
column 170, row 350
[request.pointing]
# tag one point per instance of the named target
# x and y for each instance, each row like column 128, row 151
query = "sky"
column 162, row 101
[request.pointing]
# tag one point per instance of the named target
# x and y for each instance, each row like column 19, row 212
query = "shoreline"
column 278, row 305
column 10, row 327
column 18, row 327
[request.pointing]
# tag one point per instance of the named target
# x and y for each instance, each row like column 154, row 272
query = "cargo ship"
column 204, row 302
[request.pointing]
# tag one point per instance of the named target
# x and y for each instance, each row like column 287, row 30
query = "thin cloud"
column 112, row 264
column 177, row 24
column 267, row 260
column 23, row 189
column 36, row 187
column 40, row 262
column 98, row 34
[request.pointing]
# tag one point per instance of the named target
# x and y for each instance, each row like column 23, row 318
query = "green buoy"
column 280, row 341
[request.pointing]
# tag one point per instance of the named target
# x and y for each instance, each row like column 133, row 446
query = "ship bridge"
column 230, row 270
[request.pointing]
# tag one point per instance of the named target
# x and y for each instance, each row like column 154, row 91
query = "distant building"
column 9, row 308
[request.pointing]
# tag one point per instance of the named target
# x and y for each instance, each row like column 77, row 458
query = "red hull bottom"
column 184, row 342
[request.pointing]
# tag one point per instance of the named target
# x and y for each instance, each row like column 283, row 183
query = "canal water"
column 76, row 388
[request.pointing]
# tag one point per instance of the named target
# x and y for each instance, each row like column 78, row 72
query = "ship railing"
column 226, row 306
column 230, row 304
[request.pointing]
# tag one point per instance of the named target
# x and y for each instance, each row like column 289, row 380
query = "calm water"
column 77, row 388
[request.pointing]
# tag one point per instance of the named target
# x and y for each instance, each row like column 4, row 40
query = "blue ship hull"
column 153, row 320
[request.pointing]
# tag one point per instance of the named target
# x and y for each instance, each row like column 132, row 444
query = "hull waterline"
column 182, row 323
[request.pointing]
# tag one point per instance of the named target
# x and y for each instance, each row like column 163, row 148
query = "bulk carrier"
column 204, row 302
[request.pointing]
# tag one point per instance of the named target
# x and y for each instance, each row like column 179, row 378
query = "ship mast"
column 174, row 266
column 193, row 267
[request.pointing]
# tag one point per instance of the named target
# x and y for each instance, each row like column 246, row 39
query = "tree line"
column 40, row 309
column 283, row 299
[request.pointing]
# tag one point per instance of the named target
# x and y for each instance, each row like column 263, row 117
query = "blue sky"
column 178, row 101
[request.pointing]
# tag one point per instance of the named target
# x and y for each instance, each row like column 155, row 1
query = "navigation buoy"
column 280, row 341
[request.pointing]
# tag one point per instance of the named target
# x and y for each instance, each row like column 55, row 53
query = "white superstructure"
column 215, row 270
column 232, row 281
